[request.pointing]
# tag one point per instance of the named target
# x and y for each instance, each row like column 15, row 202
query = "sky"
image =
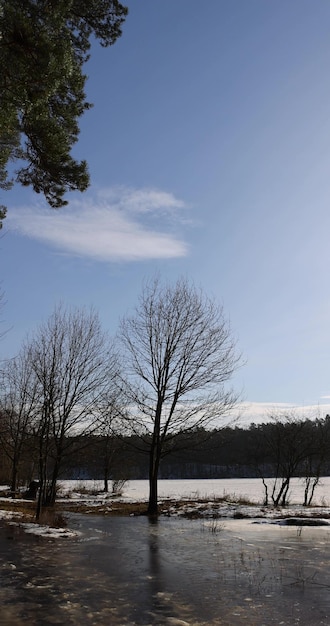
column 209, row 153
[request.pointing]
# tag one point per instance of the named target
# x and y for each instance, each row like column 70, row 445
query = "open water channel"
column 129, row 571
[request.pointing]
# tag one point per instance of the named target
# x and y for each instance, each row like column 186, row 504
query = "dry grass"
column 18, row 506
column 186, row 507
column 110, row 508
column 190, row 508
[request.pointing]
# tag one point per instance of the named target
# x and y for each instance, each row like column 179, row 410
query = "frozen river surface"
column 248, row 488
column 129, row 571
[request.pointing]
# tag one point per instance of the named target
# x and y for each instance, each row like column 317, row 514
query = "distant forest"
column 297, row 447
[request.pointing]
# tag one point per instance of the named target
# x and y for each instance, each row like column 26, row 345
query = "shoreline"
column 188, row 508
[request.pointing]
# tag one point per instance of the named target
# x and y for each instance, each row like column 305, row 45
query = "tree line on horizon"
column 285, row 447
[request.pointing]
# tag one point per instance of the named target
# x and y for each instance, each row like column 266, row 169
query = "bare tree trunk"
column 106, row 471
column 52, row 487
column 266, row 491
column 42, row 486
column 107, row 464
column 285, row 492
column 154, row 461
column 310, row 486
column 280, row 497
column 14, row 477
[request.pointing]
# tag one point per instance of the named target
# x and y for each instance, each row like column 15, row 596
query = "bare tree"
column 18, row 405
column 318, row 435
column 288, row 446
column 179, row 356
column 110, row 422
column 69, row 356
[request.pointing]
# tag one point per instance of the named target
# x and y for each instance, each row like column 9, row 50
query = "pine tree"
column 43, row 47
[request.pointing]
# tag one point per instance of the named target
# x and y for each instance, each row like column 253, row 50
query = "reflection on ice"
column 128, row 571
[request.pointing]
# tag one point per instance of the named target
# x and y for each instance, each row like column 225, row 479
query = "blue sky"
column 209, row 153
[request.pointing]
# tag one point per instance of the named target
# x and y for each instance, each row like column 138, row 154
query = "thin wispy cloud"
column 259, row 412
column 116, row 224
column 142, row 200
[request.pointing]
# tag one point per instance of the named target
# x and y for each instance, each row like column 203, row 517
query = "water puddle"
column 128, row 571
